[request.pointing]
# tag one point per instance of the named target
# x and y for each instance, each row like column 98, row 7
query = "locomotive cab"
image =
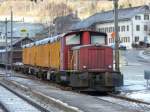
column 91, row 62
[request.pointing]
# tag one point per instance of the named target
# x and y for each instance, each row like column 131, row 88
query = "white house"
column 134, row 25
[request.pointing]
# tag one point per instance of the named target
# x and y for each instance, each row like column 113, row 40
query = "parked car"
column 122, row 46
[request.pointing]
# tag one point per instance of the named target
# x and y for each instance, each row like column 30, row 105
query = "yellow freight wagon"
column 38, row 55
column 44, row 55
column 32, row 55
column 55, row 55
column 26, row 56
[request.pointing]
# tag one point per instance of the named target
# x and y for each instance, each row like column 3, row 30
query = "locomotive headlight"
column 84, row 67
column 109, row 66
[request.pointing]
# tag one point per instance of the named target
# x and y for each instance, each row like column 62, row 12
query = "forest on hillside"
column 51, row 9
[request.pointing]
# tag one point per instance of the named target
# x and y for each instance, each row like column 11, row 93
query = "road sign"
column 23, row 30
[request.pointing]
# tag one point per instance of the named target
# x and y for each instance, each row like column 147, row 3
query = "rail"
column 37, row 106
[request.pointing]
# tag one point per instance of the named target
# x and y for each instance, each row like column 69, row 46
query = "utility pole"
column 117, row 68
column 6, row 57
column 11, row 46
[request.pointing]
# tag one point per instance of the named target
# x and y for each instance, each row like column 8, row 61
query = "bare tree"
column 55, row 10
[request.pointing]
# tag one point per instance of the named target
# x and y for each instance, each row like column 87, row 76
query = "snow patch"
column 141, row 95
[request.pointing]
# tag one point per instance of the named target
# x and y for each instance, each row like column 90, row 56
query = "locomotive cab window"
column 73, row 39
column 97, row 39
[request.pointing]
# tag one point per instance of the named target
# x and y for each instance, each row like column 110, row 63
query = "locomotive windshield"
column 73, row 39
column 97, row 39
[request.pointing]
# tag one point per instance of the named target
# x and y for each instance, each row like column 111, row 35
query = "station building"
column 133, row 25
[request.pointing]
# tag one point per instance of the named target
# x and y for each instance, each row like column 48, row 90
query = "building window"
column 122, row 28
column 136, row 38
column 128, row 39
column 111, row 40
column 106, row 30
column 127, row 27
column 103, row 30
column 118, row 28
column 137, row 27
column 146, row 17
column 109, row 29
column 121, row 39
column 137, row 17
column 99, row 30
column 125, row 39
column 145, row 28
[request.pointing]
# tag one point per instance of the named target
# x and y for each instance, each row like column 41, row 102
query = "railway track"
column 3, row 108
column 128, row 99
column 138, row 105
column 11, row 101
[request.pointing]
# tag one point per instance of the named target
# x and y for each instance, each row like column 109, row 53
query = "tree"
column 35, row 1
column 55, row 10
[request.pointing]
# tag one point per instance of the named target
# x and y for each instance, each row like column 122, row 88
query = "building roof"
column 108, row 16
column 20, row 39
column 44, row 41
column 64, row 23
column 3, row 44
column 14, row 43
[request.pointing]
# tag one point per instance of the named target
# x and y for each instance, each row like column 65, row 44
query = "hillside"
column 47, row 10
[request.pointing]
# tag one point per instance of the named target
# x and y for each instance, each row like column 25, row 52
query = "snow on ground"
column 132, row 105
column 135, row 86
column 140, row 95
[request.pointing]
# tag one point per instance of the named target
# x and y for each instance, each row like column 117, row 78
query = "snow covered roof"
column 4, row 50
column 108, row 16
column 44, row 41
column 20, row 39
